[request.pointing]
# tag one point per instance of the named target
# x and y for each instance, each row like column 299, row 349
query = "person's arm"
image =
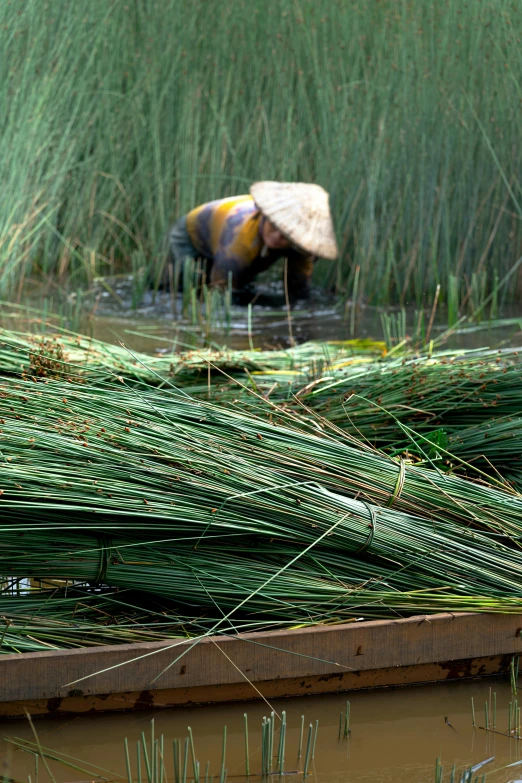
column 300, row 269
column 223, row 265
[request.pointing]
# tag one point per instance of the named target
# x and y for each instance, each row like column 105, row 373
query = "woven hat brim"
column 301, row 212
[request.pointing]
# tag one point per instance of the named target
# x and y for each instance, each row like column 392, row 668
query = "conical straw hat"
column 301, row 212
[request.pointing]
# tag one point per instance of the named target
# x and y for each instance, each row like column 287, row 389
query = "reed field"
column 119, row 116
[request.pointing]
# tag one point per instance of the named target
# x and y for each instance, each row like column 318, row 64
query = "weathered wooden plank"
column 271, row 689
column 343, row 652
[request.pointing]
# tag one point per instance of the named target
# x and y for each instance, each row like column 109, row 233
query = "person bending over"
column 242, row 236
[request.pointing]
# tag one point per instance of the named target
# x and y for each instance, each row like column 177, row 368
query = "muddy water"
column 157, row 324
column 396, row 736
column 268, row 328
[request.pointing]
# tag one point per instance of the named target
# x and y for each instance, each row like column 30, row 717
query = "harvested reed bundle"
column 73, row 356
column 203, row 478
column 275, row 580
column 496, row 440
column 466, row 406
column 495, row 446
column 78, row 617
column 450, row 392
column 203, row 471
column 346, row 527
column 157, row 455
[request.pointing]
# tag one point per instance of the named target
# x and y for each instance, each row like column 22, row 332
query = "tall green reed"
column 120, row 117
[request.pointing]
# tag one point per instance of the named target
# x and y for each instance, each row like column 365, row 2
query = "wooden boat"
column 314, row 660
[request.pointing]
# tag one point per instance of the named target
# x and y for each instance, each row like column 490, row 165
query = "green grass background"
column 119, row 115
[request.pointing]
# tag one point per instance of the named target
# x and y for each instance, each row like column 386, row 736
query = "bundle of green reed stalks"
column 249, row 582
column 411, row 405
column 150, row 452
column 34, row 619
column 426, row 393
column 71, row 356
column 214, row 506
column 461, row 410
column 418, row 406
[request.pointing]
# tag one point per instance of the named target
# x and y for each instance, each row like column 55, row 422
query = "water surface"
column 396, row 735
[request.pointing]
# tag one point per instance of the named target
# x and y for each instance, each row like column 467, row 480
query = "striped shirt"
column 227, row 232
